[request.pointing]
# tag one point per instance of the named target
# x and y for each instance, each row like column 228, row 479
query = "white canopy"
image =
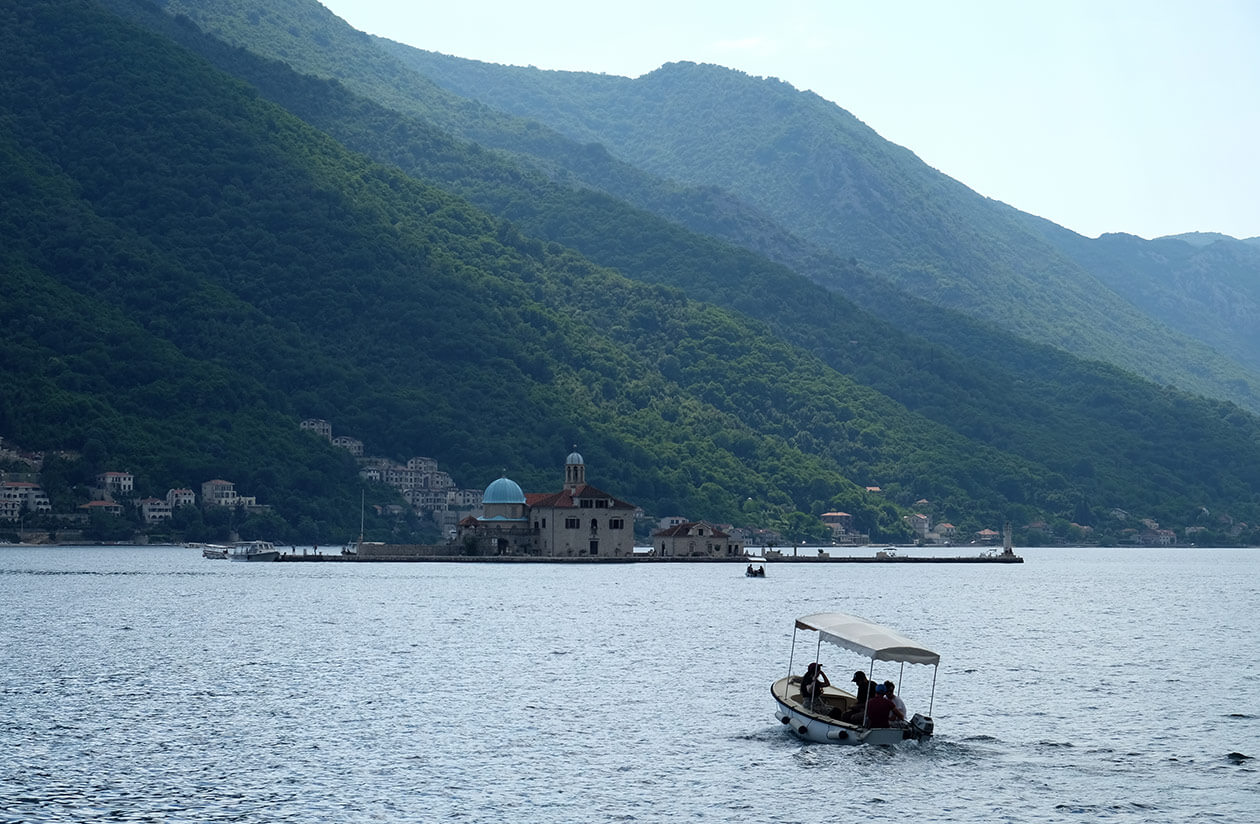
column 868, row 639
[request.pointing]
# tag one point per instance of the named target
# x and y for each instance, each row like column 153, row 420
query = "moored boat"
column 254, row 551
column 834, row 716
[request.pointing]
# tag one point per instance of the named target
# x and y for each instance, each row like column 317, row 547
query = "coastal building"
column 320, row 427
column 352, row 445
column 421, row 464
column 670, row 521
column 108, row 507
column 180, row 497
column 113, row 484
column 463, row 498
column 154, row 510
column 840, row 523
column 18, row 497
column 218, row 492
column 920, row 524
column 579, row 520
column 696, row 539
column 223, row 493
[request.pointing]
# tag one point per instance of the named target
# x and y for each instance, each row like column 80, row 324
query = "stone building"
column 579, row 520
column 696, row 539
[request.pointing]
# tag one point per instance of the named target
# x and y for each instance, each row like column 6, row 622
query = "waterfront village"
column 575, row 520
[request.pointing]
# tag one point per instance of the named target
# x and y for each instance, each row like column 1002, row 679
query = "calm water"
column 148, row 684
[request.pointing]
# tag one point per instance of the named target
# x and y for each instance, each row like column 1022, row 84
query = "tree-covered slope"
column 826, row 176
column 1207, row 287
column 1093, row 424
column 221, row 241
column 257, row 248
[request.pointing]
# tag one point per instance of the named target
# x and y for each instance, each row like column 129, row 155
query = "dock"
column 383, row 557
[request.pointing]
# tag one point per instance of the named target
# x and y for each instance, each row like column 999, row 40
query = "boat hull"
column 818, row 724
column 255, row 556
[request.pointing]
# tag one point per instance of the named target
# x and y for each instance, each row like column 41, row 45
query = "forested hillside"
column 192, row 269
column 916, row 231
column 1026, row 400
column 1208, row 288
column 824, row 175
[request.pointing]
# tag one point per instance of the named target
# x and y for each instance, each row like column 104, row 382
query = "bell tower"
column 574, row 471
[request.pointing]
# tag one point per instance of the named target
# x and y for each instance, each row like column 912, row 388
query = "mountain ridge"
column 1080, row 314
column 344, row 288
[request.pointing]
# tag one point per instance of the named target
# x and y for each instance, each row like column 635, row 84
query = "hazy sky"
column 1103, row 116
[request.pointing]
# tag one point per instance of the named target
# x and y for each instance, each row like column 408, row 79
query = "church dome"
column 503, row 491
column 574, row 458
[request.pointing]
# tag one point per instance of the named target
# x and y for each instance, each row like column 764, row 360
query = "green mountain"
column 819, row 171
column 1204, row 286
column 191, row 269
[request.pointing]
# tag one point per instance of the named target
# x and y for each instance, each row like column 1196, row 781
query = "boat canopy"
column 872, row 640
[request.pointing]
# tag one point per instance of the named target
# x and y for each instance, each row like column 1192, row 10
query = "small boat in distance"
column 254, row 551
column 756, row 567
column 215, row 552
column 833, row 715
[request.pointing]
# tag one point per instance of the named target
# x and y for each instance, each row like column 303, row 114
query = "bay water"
column 150, row 684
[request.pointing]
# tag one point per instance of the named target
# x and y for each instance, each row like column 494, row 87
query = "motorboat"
column 830, row 717
column 756, row 567
column 215, row 552
column 254, row 551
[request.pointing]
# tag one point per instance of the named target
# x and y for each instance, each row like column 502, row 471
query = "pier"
column 381, row 555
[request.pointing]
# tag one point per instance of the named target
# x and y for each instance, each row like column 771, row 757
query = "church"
column 580, row 520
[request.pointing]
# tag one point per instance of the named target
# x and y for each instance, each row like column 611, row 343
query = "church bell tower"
column 574, row 472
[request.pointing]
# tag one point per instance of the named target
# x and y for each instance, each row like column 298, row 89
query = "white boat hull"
column 818, row 723
column 255, row 551
column 255, row 556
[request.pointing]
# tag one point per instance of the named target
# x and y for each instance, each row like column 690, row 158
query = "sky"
column 1102, row 116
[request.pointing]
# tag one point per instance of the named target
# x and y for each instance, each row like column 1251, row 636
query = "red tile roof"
column 564, row 500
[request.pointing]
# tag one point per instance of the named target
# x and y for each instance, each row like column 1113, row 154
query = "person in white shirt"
column 899, row 714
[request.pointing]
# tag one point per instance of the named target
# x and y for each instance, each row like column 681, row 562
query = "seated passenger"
column 880, row 709
column 899, row 714
column 855, row 715
column 814, row 680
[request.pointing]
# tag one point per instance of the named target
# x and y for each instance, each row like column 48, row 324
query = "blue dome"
column 574, row 458
column 503, row 491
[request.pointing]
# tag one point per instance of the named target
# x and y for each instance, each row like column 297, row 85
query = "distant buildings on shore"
column 429, row 491
column 114, row 490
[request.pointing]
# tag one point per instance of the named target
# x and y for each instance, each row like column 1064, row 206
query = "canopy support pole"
column 932, row 700
column 870, row 689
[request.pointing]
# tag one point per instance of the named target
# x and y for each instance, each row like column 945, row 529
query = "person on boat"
column 899, row 713
column 750, row 570
column 880, row 709
column 813, row 681
column 855, row 715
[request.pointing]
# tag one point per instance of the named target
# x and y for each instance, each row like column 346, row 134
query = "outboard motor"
column 922, row 725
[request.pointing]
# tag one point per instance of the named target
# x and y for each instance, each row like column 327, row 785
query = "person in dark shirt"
column 813, row 682
column 854, row 716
